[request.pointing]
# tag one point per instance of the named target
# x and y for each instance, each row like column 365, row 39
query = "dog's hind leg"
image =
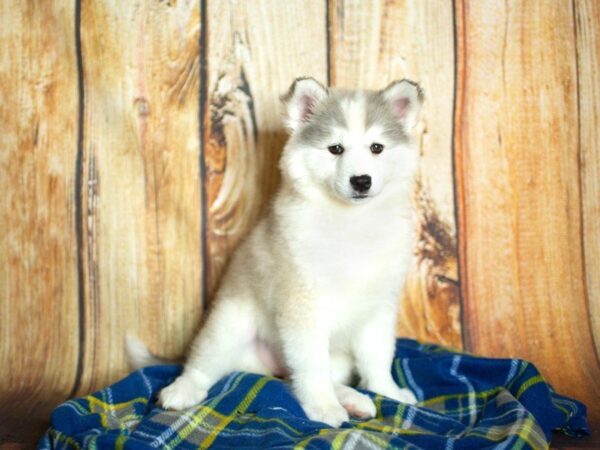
column 221, row 347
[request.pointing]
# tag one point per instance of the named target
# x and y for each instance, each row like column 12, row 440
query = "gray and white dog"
column 312, row 292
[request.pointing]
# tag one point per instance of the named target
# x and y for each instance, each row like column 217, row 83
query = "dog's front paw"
column 332, row 414
column 181, row 394
column 357, row 404
column 360, row 405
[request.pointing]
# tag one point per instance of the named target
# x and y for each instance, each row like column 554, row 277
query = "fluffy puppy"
column 311, row 293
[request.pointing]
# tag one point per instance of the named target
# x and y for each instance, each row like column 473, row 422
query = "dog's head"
column 350, row 145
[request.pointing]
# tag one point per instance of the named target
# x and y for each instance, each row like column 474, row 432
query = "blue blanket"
column 465, row 402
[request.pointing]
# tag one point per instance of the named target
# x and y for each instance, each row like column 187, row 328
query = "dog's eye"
column 336, row 149
column 376, row 148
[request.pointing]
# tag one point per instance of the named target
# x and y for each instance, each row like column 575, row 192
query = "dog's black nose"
column 361, row 183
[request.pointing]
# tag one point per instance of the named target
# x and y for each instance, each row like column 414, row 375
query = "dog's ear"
column 301, row 100
column 405, row 98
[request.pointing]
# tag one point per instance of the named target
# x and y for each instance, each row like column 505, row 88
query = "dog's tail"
column 139, row 356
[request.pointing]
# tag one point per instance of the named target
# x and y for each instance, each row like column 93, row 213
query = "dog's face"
column 350, row 145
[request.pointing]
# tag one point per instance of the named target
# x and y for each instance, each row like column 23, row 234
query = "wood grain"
column 371, row 47
column 255, row 51
column 527, row 158
column 517, row 149
column 141, row 185
column 587, row 14
column 38, row 253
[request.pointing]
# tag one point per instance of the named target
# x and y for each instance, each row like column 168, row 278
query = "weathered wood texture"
column 255, row 49
column 370, row 47
column 517, row 153
column 38, row 250
column 141, row 186
column 587, row 15
column 139, row 143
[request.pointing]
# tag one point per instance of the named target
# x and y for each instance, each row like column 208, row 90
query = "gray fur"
column 379, row 112
column 329, row 114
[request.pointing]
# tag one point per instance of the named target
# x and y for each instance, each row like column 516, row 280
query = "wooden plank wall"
column 39, row 341
column 139, row 143
column 140, row 191
column 587, row 18
column 519, row 148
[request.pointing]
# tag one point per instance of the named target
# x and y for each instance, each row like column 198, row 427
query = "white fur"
column 312, row 291
column 138, row 354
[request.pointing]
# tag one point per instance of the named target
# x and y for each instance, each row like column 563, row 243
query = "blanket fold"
column 465, row 402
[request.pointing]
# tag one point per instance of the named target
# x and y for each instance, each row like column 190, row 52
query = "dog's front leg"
column 374, row 353
column 305, row 342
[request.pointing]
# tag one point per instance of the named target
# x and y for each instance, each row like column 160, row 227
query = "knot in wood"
column 142, row 106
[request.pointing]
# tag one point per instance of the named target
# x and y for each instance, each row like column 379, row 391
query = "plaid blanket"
column 465, row 402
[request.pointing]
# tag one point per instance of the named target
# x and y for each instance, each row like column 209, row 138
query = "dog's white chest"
column 355, row 259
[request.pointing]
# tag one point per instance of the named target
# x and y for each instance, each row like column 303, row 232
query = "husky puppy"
column 312, row 292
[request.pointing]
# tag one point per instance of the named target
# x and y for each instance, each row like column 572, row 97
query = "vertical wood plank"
column 38, row 250
column 588, row 64
column 255, row 51
column 520, row 221
column 370, row 47
column 141, row 186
